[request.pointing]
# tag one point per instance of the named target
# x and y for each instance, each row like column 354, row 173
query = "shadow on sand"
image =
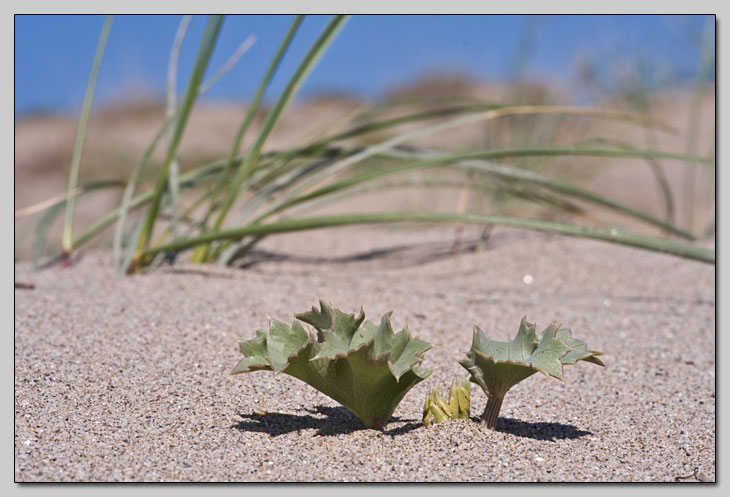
column 412, row 254
column 337, row 421
column 340, row 421
column 539, row 431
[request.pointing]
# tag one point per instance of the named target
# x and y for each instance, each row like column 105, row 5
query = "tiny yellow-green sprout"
column 437, row 410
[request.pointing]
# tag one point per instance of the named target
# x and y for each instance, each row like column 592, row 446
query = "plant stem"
column 173, row 184
column 126, row 202
column 193, row 90
column 491, row 411
column 80, row 135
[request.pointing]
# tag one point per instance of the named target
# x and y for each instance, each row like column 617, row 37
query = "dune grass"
column 220, row 210
column 80, row 135
column 704, row 65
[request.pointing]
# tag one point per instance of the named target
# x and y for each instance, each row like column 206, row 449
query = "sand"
column 127, row 378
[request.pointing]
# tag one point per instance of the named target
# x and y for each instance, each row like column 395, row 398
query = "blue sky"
column 372, row 55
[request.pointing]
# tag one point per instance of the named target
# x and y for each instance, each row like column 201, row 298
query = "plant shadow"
column 539, row 431
column 336, row 421
column 411, row 254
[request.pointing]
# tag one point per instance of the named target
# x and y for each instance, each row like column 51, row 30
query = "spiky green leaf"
column 366, row 368
column 498, row 366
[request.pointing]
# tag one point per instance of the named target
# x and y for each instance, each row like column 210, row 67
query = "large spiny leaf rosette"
column 498, row 366
column 366, row 368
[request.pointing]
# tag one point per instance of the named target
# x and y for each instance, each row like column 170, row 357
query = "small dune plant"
column 365, row 367
column 437, row 409
column 498, row 366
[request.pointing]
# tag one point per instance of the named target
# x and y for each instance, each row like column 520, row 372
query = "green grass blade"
column 41, row 231
column 127, row 200
column 81, row 134
column 528, row 194
column 193, row 90
column 307, row 64
column 665, row 189
column 248, row 119
column 596, row 152
column 577, row 192
column 705, row 59
column 229, row 64
column 288, row 178
column 662, row 182
column 182, row 30
column 134, row 235
column 170, row 112
column 52, row 211
column 283, row 161
column 298, row 184
column 612, row 235
column 208, row 172
column 593, row 198
column 80, row 190
column 174, row 181
column 382, row 125
column 171, row 108
column 463, row 160
column 497, row 110
column 127, row 196
column 238, row 249
column 173, row 187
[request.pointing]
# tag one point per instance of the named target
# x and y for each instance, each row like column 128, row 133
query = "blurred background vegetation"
column 649, row 144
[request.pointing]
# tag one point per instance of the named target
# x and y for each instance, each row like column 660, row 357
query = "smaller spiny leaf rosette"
column 438, row 410
column 366, row 368
column 498, row 366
